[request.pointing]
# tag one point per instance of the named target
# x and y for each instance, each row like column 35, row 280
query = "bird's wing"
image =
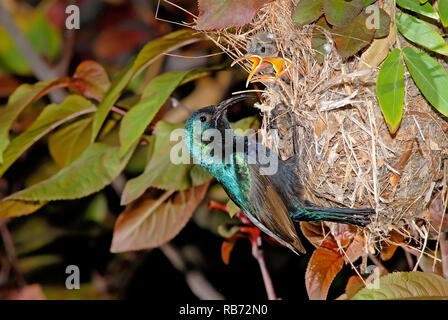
column 271, row 214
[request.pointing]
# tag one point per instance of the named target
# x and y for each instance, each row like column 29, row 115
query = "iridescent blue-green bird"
column 274, row 203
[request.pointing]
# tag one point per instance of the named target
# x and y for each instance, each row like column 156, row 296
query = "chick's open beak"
column 280, row 65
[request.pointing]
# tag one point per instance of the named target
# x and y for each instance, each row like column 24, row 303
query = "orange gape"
column 280, row 65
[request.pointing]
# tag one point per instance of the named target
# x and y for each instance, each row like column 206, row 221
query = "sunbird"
column 262, row 52
column 272, row 202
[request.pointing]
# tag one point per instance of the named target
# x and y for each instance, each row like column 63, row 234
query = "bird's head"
column 208, row 118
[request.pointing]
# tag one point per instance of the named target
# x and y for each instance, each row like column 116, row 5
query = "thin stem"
column 409, row 259
column 8, row 243
column 258, row 254
column 444, row 253
column 378, row 263
column 118, row 110
column 40, row 69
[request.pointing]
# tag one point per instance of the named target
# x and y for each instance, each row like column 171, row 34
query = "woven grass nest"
column 347, row 157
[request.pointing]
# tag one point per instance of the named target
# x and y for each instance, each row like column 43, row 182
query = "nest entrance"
column 347, row 156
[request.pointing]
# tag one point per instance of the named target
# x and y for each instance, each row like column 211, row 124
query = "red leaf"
column 218, row 14
column 352, row 37
column 354, row 250
column 354, row 284
column 391, row 245
column 149, row 223
column 114, row 42
column 7, row 85
column 91, row 80
column 214, row 205
column 227, row 247
column 323, row 266
column 344, row 233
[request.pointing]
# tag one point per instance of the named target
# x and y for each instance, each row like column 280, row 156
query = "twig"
column 64, row 63
column 409, row 259
column 197, row 282
column 258, row 254
column 378, row 263
column 40, row 69
column 444, row 253
column 423, row 249
column 8, row 243
column 118, row 110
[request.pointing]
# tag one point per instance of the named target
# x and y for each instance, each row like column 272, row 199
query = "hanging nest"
column 347, row 157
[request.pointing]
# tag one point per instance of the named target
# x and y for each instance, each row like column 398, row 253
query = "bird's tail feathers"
column 359, row 217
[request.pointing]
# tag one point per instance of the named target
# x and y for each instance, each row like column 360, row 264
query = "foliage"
column 407, row 286
column 114, row 117
column 218, row 14
column 351, row 33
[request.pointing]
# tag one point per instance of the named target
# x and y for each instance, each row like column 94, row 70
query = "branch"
column 10, row 249
column 258, row 254
column 444, row 252
column 197, row 282
column 378, row 264
column 40, row 69
column 67, row 54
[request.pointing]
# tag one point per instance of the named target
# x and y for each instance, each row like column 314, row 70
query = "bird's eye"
column 263, row 49
column 203, row 118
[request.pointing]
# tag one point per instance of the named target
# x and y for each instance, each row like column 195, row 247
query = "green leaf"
column 149, row 223
column 69, row 143
column 153, row 98
column 161, row 172
column 307, row 11
column 430, row 77
column 352, row 37
column 47, row 168
column 245, row 124
column 44, row 38
column 51, row 117
column 22, row 97
column 34, row 263
column 97, row 167
column 232, row 208
column 147, row 55
column 443, row 12
column 407, row 286
column 420, row 32
column 97, row 208
column 319, row 40
column 366, row 3
column 34, row 234
column 390, row 89
column 341, row 12
column 140, row 116
column 423, row 9
column 12, row 208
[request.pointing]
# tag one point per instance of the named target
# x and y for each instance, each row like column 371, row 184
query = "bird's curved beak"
column 222, row 107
